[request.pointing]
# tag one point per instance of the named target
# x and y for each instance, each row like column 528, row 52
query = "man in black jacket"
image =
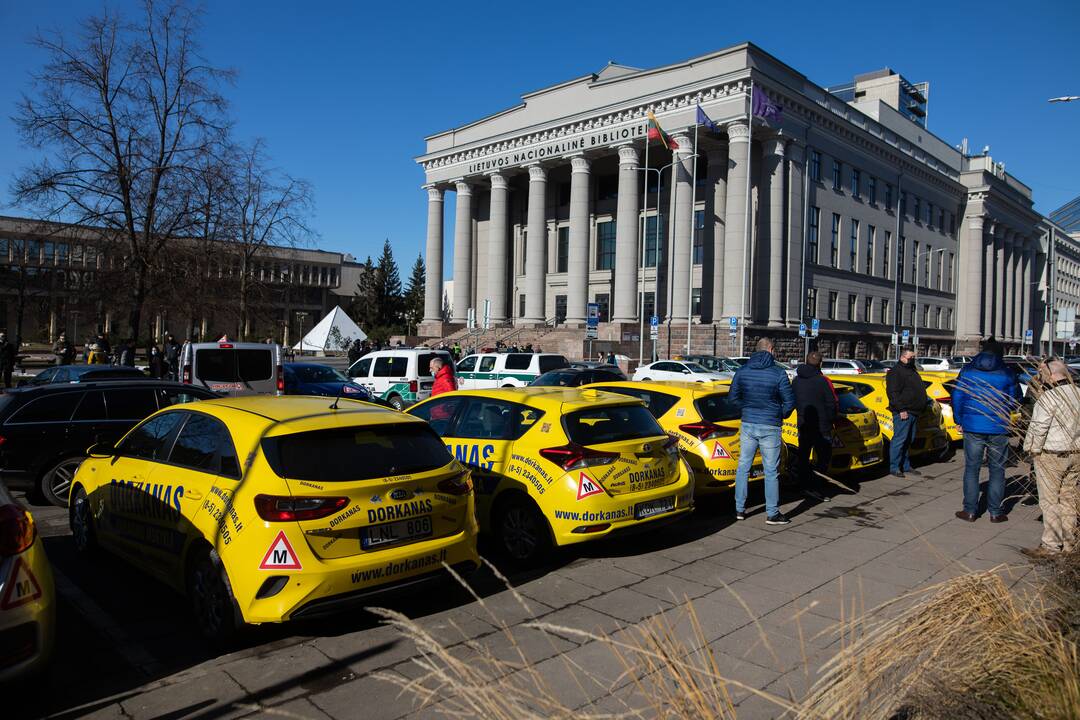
column 907, row 399
column 816, row 405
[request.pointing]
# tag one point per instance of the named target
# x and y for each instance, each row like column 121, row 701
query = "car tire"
column 81, row 521
column 646, row 379
column 211, row 598
column 509, row 386
column 56, row 481
column 396, row 402
column 521, row 531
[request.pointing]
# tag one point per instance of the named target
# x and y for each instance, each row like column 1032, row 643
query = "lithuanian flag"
column 657, row 133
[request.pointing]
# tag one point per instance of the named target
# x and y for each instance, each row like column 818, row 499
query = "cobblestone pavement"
column 128, row 650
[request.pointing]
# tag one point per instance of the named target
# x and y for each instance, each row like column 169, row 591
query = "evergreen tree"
column 387, row 286
column 363, row 307
column 414, row 296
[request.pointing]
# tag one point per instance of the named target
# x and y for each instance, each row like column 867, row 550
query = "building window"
column 886, row 266
column 832, row 304
column 915, row 263
column 605, row 245
column 61, row 253
column 952, row 260
column 649, row 307
column 815, row 165
column 871, row 190
column 854, row 246
column 929, row 213
column 836, row 180
column 604, row 301
column 926, row 269
column 941, row 220
column 852, row 307
column 871, row 238
column 695, row 301
column 915, row 216
column 524, row 252
column 810, row 311
column 654, row 240
column 33, row 251
column 856, row 183
column 521, row 306
column 948, row 319
column 926, row 316
column 903, row 203
column 562, row 253
column 952, row 224
column 888, row 196
column 911, row 314
column 699, row 226
column 834, row 252
column 937, row 313
column 884, row 311
column 812, row 235
column 560, row 308
column 868, row 310
column 564, row 194
column 900, row 258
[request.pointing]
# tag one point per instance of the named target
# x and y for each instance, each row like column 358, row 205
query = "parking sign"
column 654, row 327
column 815, row 326
column 905, row 336
column 802, row 330
column 733, row 326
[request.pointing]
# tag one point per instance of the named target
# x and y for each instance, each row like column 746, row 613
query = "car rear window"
column 850, row 404
column 657, row 403
column 613, row 423
column 391, row 366
column 717, row 408
column 356, row 453
column 235, row 365
column 552, row 362
column 520, row 361
column 860, row 389
column 556, row 379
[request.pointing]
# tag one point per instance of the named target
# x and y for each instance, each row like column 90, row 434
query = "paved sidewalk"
column 835, row 559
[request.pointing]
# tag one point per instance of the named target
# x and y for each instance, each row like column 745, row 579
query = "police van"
column 498, row 370
column 400, row 376
column 233, row 368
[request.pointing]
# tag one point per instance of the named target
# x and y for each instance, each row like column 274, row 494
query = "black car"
column 576, row 377
column 45, row 430
column 81, row 374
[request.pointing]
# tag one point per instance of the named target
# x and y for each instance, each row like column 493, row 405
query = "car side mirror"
column 685, row 371
column 101, row 450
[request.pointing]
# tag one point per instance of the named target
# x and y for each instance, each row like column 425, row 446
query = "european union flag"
column 705, row 120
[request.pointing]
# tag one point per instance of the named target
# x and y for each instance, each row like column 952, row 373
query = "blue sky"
column 345, row 92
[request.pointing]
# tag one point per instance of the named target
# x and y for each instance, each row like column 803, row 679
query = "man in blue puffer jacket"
column 762, row 390
column 986, row 394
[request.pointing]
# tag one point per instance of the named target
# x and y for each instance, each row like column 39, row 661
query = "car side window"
column 200, row 444
column 487, row 364
column 130, row 404
column 55, row 408
column 391, row 366
column 62, row 375
column 152, row 439
column 363, row 368
column 860, row 390
column 92, row 407
column 551, row 362
column 44, row 377
column 486, row 419
column 467, row 364
column 518, row 361
column 666, row 367
column 439, row 413
column 177, row 397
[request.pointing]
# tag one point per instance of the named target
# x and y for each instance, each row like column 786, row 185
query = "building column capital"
column 462, row 187
column 537, row 172
column 738, row 131
column 628, row 155
column 578, row 164
column 796, row 150
column 498, row 181
column 976, row 222
column 774, row 146
column 682, row 139
column 434, row 193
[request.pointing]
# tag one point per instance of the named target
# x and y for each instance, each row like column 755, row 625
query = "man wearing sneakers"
column 907, row 399
column 762, row 390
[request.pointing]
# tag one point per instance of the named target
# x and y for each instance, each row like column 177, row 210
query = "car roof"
column 230, row 345
column 114, row 384
column 289, row 414
column 675, row 386
column 549, row 397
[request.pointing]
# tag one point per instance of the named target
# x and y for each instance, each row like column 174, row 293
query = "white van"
column 494, row 370
column 233, row 368
column 399, row 376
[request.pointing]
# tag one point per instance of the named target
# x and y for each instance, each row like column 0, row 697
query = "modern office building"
column 846, row 210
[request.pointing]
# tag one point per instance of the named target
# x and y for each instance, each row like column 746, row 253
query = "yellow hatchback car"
column 939, row 386
column 856, row 441
column 266, row 509
column 931, row 440
column 556, row 465
column 706, row 425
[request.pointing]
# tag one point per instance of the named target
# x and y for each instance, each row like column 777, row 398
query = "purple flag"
column 765, row 108
column 705, row 120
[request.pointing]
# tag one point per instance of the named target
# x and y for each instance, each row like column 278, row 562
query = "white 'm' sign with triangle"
column 587, row 486
column 281, row 555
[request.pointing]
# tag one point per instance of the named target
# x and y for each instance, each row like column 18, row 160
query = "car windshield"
column 556, row 378
column 613, row 423
column 872, row 365
column 849, row 402
column 356, row 453
column 318, row 374
column 694, row 367
column 717, row 408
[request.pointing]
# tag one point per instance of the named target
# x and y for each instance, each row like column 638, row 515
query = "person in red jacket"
column 444, row 377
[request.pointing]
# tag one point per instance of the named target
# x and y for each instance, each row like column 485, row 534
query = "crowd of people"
column 985, row 403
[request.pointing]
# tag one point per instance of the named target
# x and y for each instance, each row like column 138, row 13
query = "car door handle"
column 192, row 494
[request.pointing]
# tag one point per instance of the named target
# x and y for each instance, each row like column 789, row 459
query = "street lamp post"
column 301, row 316
column 915, row 320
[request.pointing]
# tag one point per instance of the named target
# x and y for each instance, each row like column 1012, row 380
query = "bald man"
column 1053, row 439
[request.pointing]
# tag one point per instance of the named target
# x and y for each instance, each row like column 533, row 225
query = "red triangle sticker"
column 21, row 586
column 281, row 555
column 718, row 452
column 586, row 486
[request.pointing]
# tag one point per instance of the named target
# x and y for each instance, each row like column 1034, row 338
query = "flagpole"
column 746, row 233
column 693, row 229
column 644, row 231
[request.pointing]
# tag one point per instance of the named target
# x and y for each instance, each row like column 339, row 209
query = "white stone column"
column 796, row 212
column 627, row 241
column 990, row 285
column 1027, row 316
column 970, row 279
column 1002, row 265
column 433, row 279
column 462, row 252
column 772, row 200
column 577, row 262
column 682, row 229
column 535, row 249
column 735, row 226
column 498, row 248
column 715, row 216
column 1015, row 281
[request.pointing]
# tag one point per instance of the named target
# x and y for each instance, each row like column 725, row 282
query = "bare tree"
column 268, row 208
column 120, row 112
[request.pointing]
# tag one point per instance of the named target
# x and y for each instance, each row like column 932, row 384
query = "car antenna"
column 333, row 405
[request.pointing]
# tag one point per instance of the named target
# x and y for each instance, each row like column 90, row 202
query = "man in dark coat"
column 907, row 399
column 7, row 360
column 762, row 391
column 816, row 405
column 172, row 357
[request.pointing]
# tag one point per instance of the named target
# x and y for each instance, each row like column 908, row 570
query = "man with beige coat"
column 1053, row 439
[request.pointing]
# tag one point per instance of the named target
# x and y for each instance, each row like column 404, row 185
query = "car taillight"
column 457, row 485
column 572, row 456
column 707, row 431
column 2, row 440
column 414, row 386
column 17, row 530
column 187, row 375
column 947, row 400
column 277, row 508
column 280, row 380
column 225, row 346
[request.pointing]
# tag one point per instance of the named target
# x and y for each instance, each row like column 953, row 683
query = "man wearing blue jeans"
column 762, row 390
column 986, row 393
column 907, row 400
